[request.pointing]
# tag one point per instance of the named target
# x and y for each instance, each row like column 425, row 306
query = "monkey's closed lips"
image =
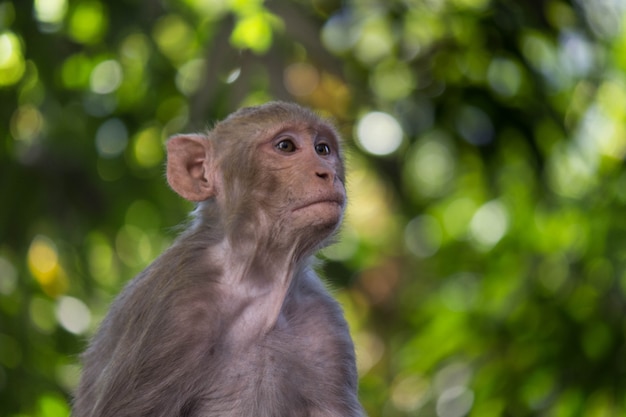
column 337, row 201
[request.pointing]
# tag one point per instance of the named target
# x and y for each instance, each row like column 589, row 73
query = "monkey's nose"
column 325, row 174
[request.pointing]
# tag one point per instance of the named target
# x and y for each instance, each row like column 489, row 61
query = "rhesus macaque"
column 232, row 320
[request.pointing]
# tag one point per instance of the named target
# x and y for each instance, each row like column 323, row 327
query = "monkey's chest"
column 284, row 361
column 287, row 372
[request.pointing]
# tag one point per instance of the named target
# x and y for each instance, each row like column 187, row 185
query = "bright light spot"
column 76, row 71
column 430, row 165
column 88, row 22
column 301, row 79
column 423, row 236
column 455, row 399
column 379, row 133
column 455, row 402
column 595, row 134
column 421, row 29
column 457, row 216
column 453, row 375
column 189, row 76
column 100, row 258
column 489, row 224
column 504, row 77
column 133, row 246
column 43, row 259
column 337, row 35
column 52, row 405
column 73, row 315
column 392, row 80
column 560, row 15
column 43, row 263
column 50, row 12
column 11, row 59
column 254, row 32
column 68, row 376
column 376, row 41
column 540, row 52
column 175, row 38
column 369, row 350
column 569, row 173
column 111, row 138
column 147, row 147
column 233, row 76
column 246, row 7
column 27, row 123
column 576, row 54
column 368, row 208
column 475, row 126
column 599, row 131
column 410, row 393
column 106, row 77
column 604, row 17
column 8, row 46
column 136, row 48
column 211, row 8
column 8, row 277
column 611, row 99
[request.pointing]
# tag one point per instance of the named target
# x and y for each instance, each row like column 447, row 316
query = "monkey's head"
column 274, row 171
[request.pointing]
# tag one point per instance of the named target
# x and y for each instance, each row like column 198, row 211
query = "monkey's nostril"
column 323, row 175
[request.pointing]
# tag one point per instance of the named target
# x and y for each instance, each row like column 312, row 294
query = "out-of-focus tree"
column 482, row 264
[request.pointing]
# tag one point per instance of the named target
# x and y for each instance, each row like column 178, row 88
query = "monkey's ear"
column 190, row 167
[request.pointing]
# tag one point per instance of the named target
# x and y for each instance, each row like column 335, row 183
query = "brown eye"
column 322, row 149
column 286, row 146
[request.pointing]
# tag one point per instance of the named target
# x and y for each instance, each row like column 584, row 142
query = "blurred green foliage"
column 482, row 264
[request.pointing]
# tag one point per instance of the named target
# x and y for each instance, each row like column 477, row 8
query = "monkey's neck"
column 255, row 284
column 259, row 262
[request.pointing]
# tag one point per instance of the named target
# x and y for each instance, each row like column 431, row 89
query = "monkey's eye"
column 322, row 149
column 286, row 145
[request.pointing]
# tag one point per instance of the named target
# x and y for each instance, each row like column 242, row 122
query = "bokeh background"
column 482, row 264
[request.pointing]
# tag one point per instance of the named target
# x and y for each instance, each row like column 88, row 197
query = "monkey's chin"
column 324, row 217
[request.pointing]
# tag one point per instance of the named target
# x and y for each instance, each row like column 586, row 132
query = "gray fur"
column 223, row 325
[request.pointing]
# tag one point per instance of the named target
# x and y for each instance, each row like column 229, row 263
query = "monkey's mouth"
column 332, row 200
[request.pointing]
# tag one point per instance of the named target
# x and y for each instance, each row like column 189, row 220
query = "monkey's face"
column 308, row 175
column 295, row 178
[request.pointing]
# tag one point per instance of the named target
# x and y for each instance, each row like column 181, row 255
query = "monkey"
column 232, row 319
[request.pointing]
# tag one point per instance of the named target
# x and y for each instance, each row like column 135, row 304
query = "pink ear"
column 190, row 171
